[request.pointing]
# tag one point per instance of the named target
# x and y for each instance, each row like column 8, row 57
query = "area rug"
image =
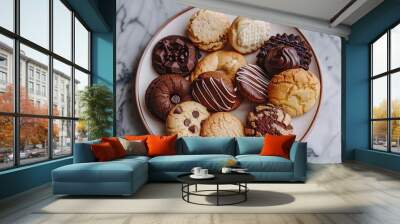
column 166, row 198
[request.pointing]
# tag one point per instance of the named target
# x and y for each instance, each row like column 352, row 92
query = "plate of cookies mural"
column 207, row 73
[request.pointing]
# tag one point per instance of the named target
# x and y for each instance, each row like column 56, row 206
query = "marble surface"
column 137, row 22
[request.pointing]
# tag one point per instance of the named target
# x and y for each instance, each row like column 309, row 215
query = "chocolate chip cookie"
column 175, row 54
column 185, row 119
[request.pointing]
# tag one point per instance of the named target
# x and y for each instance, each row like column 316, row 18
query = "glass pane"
column 62, row 89
column 62, row 138
column 379, row 97
column 395, row 136
column 395, row 47
column 81, row 45
column 81, row 81
column 379, row 135
column 6, row 74
column 395, row 94
column 6, row 142
column 33, row 139
column 81, row 131
column 7, row 14
column 35, row 21
column 62, row 29
column 379, row 55
column 34, row 94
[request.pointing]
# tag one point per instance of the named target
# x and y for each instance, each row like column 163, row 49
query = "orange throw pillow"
column 136, row 137
column 116, row 145
column 161, row 145
column 103, row 152
column 275, row 145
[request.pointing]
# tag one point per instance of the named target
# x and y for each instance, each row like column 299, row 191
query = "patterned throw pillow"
column 134, row 147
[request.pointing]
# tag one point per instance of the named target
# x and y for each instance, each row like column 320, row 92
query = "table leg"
column 217, row 194
column 245, row 193
column 195, row 188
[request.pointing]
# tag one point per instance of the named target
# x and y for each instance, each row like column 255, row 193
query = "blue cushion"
column 83, row 153
column 249, row 145
column 185, row 163
column 111, row 171
column 206, row 145
column 257, row 163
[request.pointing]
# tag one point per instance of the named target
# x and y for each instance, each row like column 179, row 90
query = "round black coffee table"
column 238, row 179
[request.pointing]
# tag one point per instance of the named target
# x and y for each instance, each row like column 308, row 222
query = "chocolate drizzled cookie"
column 268, row 119
column 215, row 91
column 291, row 40
column 175, row 54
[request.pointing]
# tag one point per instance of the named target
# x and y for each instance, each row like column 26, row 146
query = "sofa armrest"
column 298, row 155
column 83, row 152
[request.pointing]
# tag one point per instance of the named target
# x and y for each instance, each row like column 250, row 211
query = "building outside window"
column 385, row 92
column 57, row 126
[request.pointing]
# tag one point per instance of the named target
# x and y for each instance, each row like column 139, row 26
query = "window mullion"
column 50, row 81
column 73, row 82
column 16, row 85
column 389, row 101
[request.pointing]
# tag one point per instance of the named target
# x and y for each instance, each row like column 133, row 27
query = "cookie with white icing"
column 252, row 82
column 247, row 35
column 216, row 91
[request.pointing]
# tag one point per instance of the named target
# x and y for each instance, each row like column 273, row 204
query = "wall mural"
column 193, row 72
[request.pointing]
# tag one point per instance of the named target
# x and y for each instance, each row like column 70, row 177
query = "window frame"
column 388, row 74
column 16, row 115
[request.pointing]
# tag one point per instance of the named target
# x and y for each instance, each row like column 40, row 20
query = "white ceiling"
column 321, row 9
column 327, row 16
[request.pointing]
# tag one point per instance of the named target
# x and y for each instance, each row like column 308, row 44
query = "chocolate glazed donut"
column 165, row 92
column 174, row 54
column 216, row 92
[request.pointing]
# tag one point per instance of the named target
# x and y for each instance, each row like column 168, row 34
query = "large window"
column 44, row 64
column 385, row 91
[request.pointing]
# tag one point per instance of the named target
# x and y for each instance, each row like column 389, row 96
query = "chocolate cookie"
column 215, row 91
column 268, row 119
column 252, row 82
column 185, row 119
column 291, row 40
column 165, row 92
column 281, row 58
column 175, row 54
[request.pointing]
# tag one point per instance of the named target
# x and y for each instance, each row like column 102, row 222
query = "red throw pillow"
column 277, row 145
column 103, row 152
column 161, row 145
column 136, row 137
column 116, row 145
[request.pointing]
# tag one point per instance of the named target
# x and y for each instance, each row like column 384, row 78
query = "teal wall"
column 99, row 15
column 356, row 84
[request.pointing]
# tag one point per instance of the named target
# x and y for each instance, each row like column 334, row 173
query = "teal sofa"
column 125, row 176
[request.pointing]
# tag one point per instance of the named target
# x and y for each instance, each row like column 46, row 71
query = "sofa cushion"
column 257, row 163
column 83, row 153
column 112, row 171
column 185, row 163
column 206, row 145
column 249, row 145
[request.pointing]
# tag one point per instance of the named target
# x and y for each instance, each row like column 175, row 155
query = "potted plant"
column 96, row 103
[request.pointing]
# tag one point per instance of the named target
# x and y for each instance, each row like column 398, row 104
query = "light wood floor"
column 380, row 189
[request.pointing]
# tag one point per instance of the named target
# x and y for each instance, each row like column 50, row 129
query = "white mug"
column 203, row 172
column 196, row 170
column 226, row 170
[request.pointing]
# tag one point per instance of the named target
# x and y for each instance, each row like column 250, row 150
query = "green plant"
column 96, row 102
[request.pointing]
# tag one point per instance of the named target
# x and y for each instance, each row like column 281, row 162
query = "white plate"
column 208, row 176
column 177, row 26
